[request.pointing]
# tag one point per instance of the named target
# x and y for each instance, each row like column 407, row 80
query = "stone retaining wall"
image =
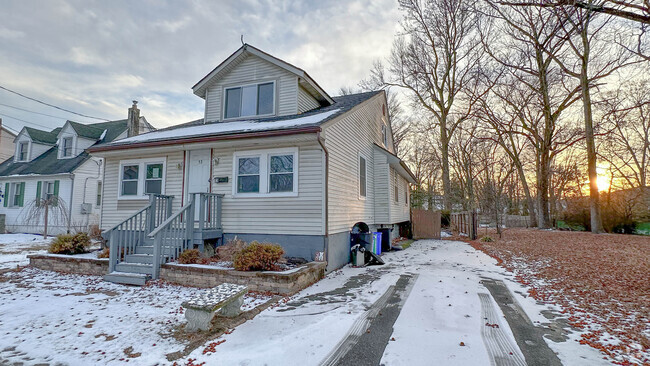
column 69, row 264
column 275, row 282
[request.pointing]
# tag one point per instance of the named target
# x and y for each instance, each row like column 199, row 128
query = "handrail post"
column 218, row 211
column 157, row 247
column 112, row 260
column 151, row 214
column 202, row 198
column 189, row 222
column 169, row 206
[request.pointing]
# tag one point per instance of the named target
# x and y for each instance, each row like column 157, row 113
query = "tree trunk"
column 444, row 150
column 47, row 206
column 594, row 204
column 544, row 218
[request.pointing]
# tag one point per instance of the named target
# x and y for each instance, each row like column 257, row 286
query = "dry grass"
column 601, row 281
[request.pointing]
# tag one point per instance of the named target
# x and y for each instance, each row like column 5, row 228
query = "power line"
column 27, row 110
column 53, row 106
column 30, row 122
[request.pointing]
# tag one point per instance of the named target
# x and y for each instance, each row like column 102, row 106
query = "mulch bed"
column 602, row 283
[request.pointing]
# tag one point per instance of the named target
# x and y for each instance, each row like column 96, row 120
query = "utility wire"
column 29, row 122
column 53, row 106
column 27, row 110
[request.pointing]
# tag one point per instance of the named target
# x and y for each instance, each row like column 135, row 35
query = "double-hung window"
column 384, row 135
column 250, row 100
column 270, row 172
column 138, row 178
column 23, row 149
column 48, row 190
column 66, row 147
column 17, row 194
column 395, row 187
column 363, row 177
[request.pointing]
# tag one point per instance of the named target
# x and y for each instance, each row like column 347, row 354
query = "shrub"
column 104, row 253
column 70, row 244
column 189, row 256
column 487, row 239
column 258, row 257
column 95, row 232
column 228, row 251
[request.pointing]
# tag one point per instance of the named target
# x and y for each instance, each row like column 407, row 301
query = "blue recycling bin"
column 376, row 242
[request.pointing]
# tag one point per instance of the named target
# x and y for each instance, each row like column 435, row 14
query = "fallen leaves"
column 600, row 281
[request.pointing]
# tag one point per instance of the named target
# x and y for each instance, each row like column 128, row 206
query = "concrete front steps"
column 136, row 269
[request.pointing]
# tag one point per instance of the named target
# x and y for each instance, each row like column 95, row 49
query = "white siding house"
column 55, row 163
column 286, row 157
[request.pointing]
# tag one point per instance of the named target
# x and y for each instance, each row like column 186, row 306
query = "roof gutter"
column 237, row 136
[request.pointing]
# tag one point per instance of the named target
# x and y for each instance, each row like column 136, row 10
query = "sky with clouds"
column 94, row 57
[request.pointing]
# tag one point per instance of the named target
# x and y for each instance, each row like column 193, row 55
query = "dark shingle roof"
column 41, row 136
column 46, row 164
column 342, row 104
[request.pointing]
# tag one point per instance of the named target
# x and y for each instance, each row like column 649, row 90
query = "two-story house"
column 55, row 163
column 274, row 159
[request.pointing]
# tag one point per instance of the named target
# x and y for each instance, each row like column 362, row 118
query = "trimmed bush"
column 258, row 257
column 189, row 256
column 228, row 251
column 104, row 253
column 70, row 244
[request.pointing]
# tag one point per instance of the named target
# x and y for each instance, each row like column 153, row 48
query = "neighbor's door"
column 198, row 175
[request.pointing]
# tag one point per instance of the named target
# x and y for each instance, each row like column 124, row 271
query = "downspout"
column 326, row 190
column 70, row 204
column 99, row 169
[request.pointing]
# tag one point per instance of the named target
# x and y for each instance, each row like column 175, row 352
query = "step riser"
column 146, row 259
column 134, row 268
column 124, row 280
column 143, row 250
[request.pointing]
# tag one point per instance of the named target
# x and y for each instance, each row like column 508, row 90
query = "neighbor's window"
column 248, row 175
column 281, row 173
column 17, row 194
column 22, row 150
column 249, row 100
column 153, row 182
column 406, row 193
column 66, row 149
column 363, row 173
column 48, row 190
column 384, row 135
column 99, row 194
column 130, row 180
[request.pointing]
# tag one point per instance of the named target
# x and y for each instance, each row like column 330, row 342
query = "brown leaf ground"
column 602, row 282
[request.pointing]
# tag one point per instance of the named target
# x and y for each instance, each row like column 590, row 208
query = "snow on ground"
column 48, row 317
column 14, row 248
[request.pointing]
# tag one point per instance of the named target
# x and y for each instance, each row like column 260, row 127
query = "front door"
column 198, row 175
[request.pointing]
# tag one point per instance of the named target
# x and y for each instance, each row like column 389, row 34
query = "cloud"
column 96, row 57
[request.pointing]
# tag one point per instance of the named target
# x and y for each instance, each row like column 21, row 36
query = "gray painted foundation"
column 338, row 250
column 303, row 246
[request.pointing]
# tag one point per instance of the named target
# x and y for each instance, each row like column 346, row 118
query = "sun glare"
column 603, row 183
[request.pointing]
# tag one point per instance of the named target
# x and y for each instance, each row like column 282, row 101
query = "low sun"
column 603, row 183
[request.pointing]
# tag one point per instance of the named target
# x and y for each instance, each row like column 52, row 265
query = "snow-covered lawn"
column 14, row 248
column 81, row 320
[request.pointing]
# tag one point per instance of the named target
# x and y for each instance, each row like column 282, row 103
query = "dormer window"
column 23, row 151
column 66, row 147
column 250, row 100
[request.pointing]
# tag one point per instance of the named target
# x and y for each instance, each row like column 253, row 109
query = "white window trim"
column 27, row 154
column 265, row 162
column 384, row 134
column 142, row 173
column 44, row 188
column 223, row 101
column 359, row 196
column 395, row 187
column 73, row 148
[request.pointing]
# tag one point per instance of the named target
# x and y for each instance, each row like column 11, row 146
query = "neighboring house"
column 55, row 163
column 7, row 146
column 280, row 160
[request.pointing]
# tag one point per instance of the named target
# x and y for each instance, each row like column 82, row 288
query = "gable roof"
column 48, row 163
column 40, row 136
column 187, row 132
column 306, row 81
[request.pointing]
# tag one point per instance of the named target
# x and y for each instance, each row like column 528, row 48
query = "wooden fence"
column 425, row 224
column 465, row 223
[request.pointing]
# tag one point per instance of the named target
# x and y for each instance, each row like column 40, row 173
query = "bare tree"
column 52, row 210
column 436, row 60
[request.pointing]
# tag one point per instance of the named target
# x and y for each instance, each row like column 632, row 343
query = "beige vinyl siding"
column 7, row 147
column 305, row 101
column 346, row 138
column 254, row 69
column 301, row 215
column 114, row 211
column 399, row 211
column 382, row 193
